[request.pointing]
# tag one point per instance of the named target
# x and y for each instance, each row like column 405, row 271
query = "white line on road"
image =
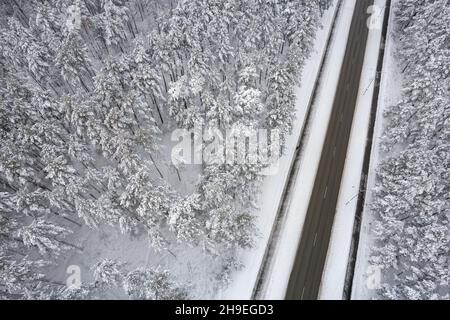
column 315, row 238
column 325, row 193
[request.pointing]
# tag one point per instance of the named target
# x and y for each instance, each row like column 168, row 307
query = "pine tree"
column 152, row 284
column 20, row 280
column 150, row 203
column 108, row 273
column 231, row 228
column 73, row 62
column 45, row 236
column 111, row 23
column 183, row 220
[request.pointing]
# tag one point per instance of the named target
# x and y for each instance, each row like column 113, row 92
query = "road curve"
column 306, row 275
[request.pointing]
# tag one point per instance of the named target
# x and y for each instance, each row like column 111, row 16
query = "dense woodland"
column 89, row 89
column 412, row 196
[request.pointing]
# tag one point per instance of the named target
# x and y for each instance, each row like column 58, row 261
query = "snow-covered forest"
column 91, row 90
column 412, row 194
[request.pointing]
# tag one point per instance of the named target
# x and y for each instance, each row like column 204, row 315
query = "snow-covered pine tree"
column 183, row 218
column 152, row 284
column 46, row 237
column 228, row 227
column 20, row 279
column 146, row 204
column 280, row 99
column 73, row 62
column 111, row 23
column 108, row 273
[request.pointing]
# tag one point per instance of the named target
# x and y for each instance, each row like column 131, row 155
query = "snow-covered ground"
column 389, row 93
column 283, row 259
column 243, row 281
column 187, row 264
column 333, row 278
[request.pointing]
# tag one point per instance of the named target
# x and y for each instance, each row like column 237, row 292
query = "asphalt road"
column 306, row 275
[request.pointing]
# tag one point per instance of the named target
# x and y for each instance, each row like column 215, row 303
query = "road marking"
column 325, row 193
column 303, row 293
column 315, row 238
